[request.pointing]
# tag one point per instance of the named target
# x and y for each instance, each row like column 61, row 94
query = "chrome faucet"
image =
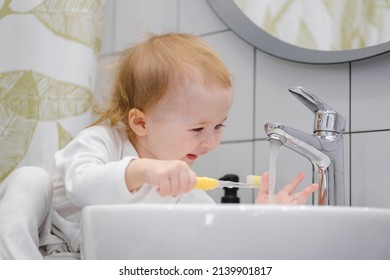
column 324, row 148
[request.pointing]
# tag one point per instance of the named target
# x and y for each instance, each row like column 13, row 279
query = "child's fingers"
column 175, row 183
column 264, row 183
column 290, row 187
column 188, row 180
column 301, row 197
column 164, row 187
column 191, row 180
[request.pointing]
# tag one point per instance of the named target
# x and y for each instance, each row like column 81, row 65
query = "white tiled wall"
column 371, row 94
column 239, row 125
column 358, row 90
column 370, row 153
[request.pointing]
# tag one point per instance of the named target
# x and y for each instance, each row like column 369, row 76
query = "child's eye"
column 219, row 126
column 197, row 129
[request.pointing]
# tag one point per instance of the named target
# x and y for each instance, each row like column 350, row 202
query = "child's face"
column 186, row 123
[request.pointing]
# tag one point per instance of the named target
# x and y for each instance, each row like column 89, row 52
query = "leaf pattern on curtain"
column 35, row 95
column 27, row 97
column 5, row 10
column 73, row 19
column 31, row 100
column 76, row 20
column 15, row 135
column 64, row 137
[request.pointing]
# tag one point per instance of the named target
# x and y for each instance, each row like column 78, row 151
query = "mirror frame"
column 243, row 27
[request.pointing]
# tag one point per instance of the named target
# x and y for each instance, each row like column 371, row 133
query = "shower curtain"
column 48, row 63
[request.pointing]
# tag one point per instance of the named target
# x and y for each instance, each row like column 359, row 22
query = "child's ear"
column 137, row 121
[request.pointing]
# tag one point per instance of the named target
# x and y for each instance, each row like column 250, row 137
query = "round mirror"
column 310, row 31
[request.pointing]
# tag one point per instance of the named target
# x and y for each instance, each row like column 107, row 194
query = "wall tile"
column 235, row 158
column 107, row 38
column 370, row 164
column 371, row 94
column 347, row 168
column 239, row 125
column 135, row 19
column 197, row 17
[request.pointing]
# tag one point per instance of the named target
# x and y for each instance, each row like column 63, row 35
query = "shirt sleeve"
column 92, row 168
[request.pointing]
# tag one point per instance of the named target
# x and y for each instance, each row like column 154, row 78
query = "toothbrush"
column 206, row 183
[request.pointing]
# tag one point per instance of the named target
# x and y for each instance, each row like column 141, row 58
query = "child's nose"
column 210, row 140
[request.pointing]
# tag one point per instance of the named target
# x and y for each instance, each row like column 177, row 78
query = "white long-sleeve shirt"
column 91, row 170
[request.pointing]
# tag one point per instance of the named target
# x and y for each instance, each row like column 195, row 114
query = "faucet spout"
column 309, row 149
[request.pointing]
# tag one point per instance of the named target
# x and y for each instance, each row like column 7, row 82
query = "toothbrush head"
column 253, row 180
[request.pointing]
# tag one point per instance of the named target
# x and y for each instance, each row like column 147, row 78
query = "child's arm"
column 286, row 195
column 93, row 167
column 171, row 177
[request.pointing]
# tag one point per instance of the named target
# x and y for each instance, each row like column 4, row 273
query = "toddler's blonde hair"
column 146, row 70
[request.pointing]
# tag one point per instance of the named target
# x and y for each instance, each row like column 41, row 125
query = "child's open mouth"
column 191, row 157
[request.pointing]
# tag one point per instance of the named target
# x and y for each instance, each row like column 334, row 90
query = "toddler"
column 169, row 103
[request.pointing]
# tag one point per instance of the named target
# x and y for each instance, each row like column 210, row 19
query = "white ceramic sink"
column 228, row 231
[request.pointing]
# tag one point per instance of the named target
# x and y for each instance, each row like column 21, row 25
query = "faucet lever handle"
column 326, row 118
column 309, row 100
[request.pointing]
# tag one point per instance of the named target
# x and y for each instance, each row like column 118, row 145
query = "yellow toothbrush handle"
column 206, row 183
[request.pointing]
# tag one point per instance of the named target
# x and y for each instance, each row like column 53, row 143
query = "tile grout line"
column 254, row 118
column 350, row 135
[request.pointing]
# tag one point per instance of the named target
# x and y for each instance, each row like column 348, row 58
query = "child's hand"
column 286, row 195
column 171, row 177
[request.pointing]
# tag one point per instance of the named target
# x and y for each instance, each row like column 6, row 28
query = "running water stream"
column 274, row 150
